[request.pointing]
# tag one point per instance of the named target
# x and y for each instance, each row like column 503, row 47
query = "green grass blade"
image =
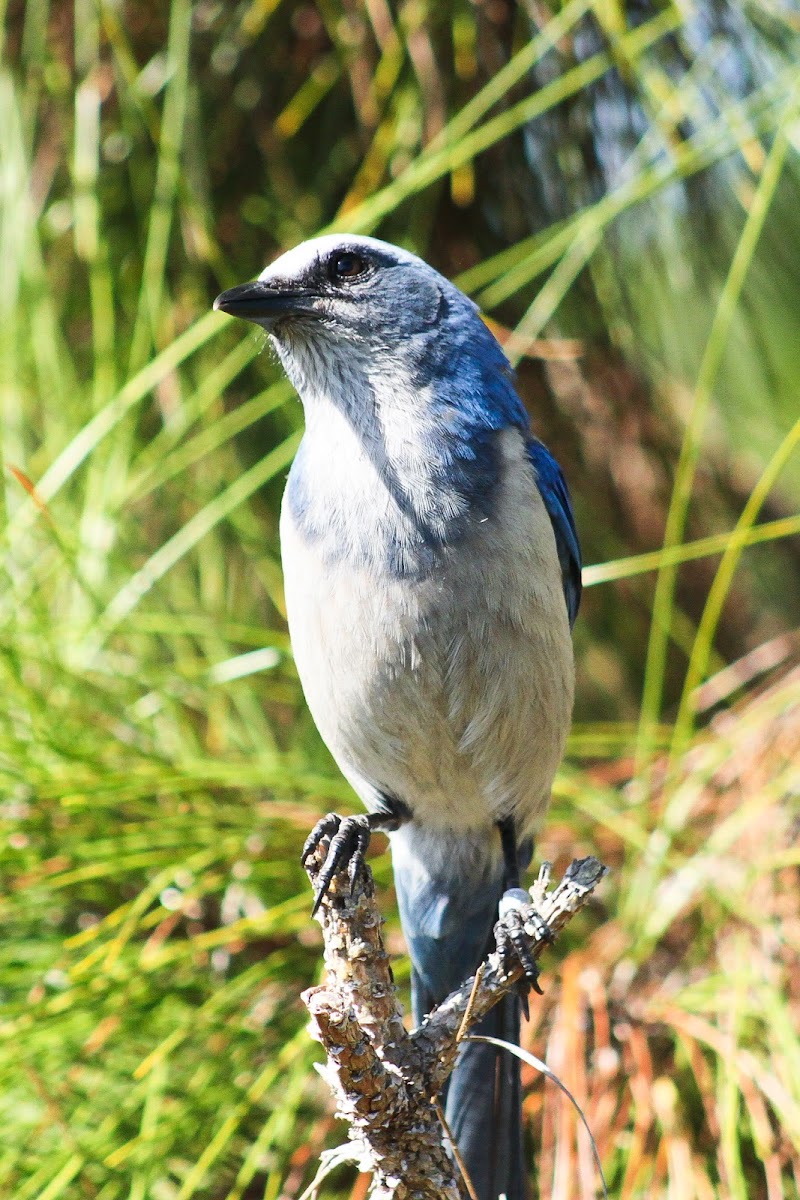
column 739, row 538
column 188, row 536
column 669, row 556
column 655, row 663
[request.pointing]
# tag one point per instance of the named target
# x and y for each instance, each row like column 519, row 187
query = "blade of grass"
column 505, row 274
column 147, row 329
column 297, row 1047
column 560, row 25
column 215, row 435
column 432, row 165
column 109, row 417
column 656, row 657
column 712, row 611
column 718, row 543
column 188, row 536
column 551, row 295
column 211, row 387
column 730, row 1091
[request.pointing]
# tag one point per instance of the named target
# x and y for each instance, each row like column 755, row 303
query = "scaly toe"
column 325, row 827
column 347, row 847
column 513, row 937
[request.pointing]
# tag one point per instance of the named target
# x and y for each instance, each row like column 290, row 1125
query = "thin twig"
column 467, row 1021
column 462, row 1166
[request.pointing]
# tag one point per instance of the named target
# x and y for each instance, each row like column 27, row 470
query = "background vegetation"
column 618, row 187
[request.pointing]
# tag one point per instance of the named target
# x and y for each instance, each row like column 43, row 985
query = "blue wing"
column 555, row 494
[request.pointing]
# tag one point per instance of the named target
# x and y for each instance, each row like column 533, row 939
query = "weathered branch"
column 386, row 1079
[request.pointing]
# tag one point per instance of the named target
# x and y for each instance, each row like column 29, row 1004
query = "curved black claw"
column 513, row 937
column 348, row 839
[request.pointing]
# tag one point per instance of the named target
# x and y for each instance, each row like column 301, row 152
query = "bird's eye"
column 347, row 266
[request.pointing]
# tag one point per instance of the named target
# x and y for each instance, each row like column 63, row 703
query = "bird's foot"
column 348, row 839
column 519, row 923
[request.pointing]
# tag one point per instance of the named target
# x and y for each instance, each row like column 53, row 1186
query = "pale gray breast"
column 452, row 692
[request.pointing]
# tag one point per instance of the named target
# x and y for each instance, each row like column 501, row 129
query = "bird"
column 432, row 574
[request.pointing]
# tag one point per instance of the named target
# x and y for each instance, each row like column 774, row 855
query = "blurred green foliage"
column 618, row 187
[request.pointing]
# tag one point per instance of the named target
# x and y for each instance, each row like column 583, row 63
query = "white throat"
column 369, row 475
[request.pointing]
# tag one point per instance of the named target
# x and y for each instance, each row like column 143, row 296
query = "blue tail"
column 448, row 896
column 484, row 1108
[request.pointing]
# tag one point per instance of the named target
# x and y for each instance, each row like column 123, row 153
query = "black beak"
column 258, row 302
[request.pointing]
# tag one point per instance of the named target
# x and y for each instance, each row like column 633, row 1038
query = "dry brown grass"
column 677, row 1023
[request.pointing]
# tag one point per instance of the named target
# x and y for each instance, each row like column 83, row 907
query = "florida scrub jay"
column 432, row 575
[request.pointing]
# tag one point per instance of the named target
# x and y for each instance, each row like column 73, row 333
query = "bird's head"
column 341, row 286
column 343, row 302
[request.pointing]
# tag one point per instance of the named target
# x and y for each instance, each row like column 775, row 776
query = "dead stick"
column 387, row 1081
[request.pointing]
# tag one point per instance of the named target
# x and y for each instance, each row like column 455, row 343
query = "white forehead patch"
column 297, row 261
